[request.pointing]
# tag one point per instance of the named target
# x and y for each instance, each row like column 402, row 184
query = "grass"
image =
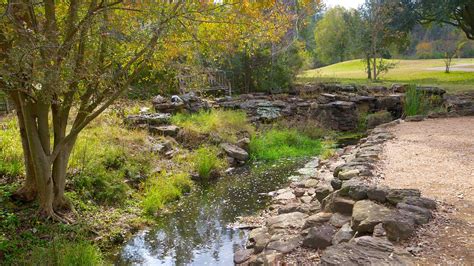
column 406, row 71
column 163, row 188
column 206, row 161
column 225, row 124
column 275, row 144
column 11, row 153
column 66, row 254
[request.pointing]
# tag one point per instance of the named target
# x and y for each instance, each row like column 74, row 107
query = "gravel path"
column 437, row 157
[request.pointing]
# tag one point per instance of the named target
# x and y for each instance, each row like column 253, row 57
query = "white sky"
column 344, row 3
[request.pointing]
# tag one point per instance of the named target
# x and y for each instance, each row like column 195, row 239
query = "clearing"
column 437, row 157
column 421, row 72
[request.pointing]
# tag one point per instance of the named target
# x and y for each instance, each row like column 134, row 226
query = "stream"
column 195, row 231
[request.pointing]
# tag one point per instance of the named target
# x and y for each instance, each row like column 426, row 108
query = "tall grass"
column 66, row 254
column 163, row 188
column 206, row 160
column 227, row 124
column 415, row 102
column 11, row 152
column 275, row 144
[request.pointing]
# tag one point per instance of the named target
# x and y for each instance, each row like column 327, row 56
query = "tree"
column 384, row 26
column 64, row 62
column 459, row 13
column 333, row 36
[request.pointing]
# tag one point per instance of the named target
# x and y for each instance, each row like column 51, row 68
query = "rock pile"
column 340, row 213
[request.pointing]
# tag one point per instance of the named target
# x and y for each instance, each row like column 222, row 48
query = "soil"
column 437, row 157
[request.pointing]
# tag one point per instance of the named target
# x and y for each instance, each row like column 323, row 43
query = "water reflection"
column 195, row 233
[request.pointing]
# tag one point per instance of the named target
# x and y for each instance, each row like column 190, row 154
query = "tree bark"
column 369, row 69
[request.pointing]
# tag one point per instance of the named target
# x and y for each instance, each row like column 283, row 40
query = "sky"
column 344, row 3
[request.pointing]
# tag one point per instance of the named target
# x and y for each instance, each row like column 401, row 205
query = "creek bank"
column 340, row 208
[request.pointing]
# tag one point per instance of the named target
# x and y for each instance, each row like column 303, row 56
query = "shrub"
column 206, row 160
column 162, row 189
column 275, row 144
column 66, row 254
column 378, row 118
column 226, row 124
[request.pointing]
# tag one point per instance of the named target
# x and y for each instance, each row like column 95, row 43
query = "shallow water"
column 196, row 232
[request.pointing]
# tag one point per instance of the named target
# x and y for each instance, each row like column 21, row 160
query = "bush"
column 275, row 144
column 226, row 124
column 67, row 254
column 162, row 189
column 11, row 152
column 206, row 161
column 378, row 118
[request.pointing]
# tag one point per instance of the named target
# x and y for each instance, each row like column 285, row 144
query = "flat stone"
column 269, row 257
column 285, row 245
column 420, row 202
column 378, row 193
column 308, row 172
column 344, row 234
column 319, row 237
column 287, row 220
column 346, row 175
column 365, row 250
column 395, row 196
column 339, row 219
column 367, row 214
column 235, row 151
column 288, row 195
column 242, row 255
column 335, row 203
column 422, row 215
column 170, row 131
column 317, row 219
column 311, row 183
column 294, row 207
column 414, row 118
column 306, row 199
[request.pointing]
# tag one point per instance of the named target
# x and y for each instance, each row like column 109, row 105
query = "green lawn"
column 406, row 71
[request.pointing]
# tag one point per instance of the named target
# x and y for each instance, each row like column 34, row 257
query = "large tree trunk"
column 369, row 69
column 375, row 67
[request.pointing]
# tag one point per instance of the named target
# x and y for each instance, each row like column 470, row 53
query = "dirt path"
column 437, row 157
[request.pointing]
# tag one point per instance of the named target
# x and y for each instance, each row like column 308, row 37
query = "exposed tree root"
column 50, row 214
column 25, row 194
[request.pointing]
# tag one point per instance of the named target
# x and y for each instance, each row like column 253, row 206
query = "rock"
column 395, row 196
column 355, row 189
column 319, row 237
column 322, row 191
column 431, row 90
column 288, row 195
column 270, row 257
column 258, row 239
column 346, row 175
column 285, row 245
column 287, row 220
column 306, row 199
column 399, row 226
column 335, row 203
column 378, row 193
column 339, row 219
column 414, row 118
column 311, row 183
column 314, row 206
column 308, row 171
column 338, row 115
column 365, row 250
column 421, row 215
column 344, row 234
column 294, row 207
column 420, row 202
column 336, row 183
column 317, row 219
column 147, row 120
column 378, row 118
column 367, row 214
column 169, row 131
column 235, row 151
column 379, row 231
column 243, row 143
column 299, row 192
column 242, row 255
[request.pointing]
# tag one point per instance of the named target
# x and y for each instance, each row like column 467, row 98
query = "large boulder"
column 395, row 196
column 399, row 225
column 287, row 220
column 344, row 234
column 338, row 115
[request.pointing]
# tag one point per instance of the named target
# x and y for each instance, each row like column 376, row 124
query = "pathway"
column 437, row 157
